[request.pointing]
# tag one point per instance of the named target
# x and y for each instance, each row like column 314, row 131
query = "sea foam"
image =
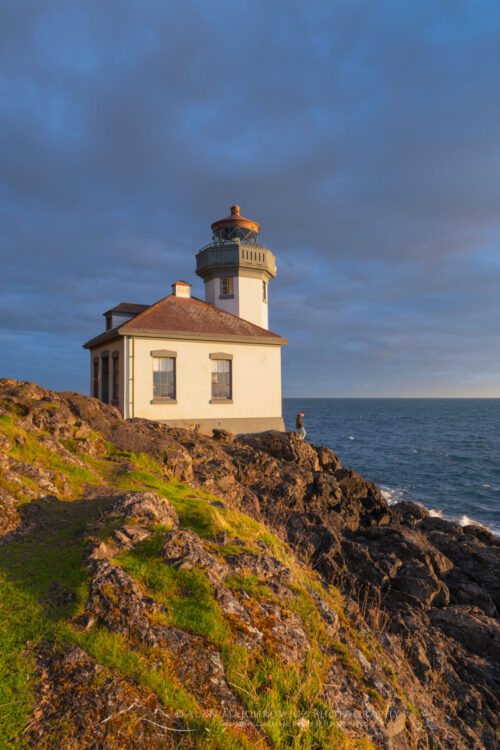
column 394, row 495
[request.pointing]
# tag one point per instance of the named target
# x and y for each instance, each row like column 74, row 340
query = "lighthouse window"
column 264, row 291
column 230, row 234
column 115, row 379
column 105, row 379
column 164, row 377
column 226, row 286
column 95, row 381
column 221, row 379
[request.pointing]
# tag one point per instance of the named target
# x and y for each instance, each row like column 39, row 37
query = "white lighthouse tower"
column 185, row 362
column 237, row 269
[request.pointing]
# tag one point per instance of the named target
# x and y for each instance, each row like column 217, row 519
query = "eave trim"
column 186, row 336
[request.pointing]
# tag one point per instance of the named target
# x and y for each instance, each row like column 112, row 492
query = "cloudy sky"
column 364, row 136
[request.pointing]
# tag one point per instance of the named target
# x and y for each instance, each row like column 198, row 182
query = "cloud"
column 362, row 136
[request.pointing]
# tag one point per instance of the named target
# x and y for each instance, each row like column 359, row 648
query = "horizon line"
column 395, row 398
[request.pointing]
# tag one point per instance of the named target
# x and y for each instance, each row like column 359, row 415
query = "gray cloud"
column 363, row 136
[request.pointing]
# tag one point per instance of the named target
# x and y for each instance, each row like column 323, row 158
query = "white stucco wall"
column 212, row 296
column 247, row 302
column 256, row 373
column 251, row 305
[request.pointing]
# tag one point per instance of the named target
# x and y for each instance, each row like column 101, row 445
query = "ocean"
column 442, row 453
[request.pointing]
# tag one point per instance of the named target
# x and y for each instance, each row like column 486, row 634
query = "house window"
column 116, row 371
column 108, row 322
column 226, row 286
column 264, row 291
column 95, row 378
column 105, row 379
column 164, row 377
column 221, row 379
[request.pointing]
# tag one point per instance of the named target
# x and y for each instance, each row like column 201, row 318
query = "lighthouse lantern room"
column 237, row 268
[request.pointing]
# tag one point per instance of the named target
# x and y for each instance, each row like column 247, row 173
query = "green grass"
column 14, row 488
column 233, row 549
column 278, row 692
column 197, row 513
column 251, row 585
column 33, row 452
column 377, row 699
column 26, row 570
column 305, row 606
column 195, row 510
column 361, row 643
column 113, row 650
column 388, row 669
column 74, row 444
column 186, row 594
column 349, row 662
column 139, row 460
column 7, row 423
column 415, row 711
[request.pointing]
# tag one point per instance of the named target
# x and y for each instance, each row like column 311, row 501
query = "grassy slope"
column 265, row 684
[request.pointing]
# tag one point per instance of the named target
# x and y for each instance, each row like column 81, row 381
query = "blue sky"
column 363, row 135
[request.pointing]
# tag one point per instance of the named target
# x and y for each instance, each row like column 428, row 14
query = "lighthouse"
column 236, row 268
column 190, row 363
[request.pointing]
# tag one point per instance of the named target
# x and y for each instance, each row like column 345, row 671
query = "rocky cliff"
column 160, row 589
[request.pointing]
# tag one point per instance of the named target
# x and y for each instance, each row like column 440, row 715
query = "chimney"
column 181, row 289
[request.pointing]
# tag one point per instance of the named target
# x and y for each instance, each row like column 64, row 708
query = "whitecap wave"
column 467, row 521
column 351, row 437
column 395, row 495
column 435, row 512
column 463, row 520
column 392, row 494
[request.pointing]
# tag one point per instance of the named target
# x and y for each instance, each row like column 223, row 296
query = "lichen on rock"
column 210, row 585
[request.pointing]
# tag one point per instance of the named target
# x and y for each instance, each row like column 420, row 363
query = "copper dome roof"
column 235, row 220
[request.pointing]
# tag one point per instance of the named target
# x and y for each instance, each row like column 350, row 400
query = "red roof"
column 191, row 315
column 127, row 307
column 175, row 316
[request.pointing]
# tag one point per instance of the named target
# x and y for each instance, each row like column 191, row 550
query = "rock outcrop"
column 408, row 637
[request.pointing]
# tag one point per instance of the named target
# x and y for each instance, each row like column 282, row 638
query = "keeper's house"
column 186, row 362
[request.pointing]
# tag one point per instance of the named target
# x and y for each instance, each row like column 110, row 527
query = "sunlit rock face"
column 157, row 579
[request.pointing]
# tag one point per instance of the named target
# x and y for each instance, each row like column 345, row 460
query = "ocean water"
column 442, row 453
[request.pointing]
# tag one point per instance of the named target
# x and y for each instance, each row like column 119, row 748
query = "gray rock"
column 145, row 506
column 129, row 536
column 419, row 581
column 183, row 549
column 470, row 626
column 264, row 566
column 395, row 718
column 365, row 664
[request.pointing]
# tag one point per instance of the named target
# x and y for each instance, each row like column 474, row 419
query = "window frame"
column 230, row 286
column 157, row 397
column 115, row 379
column 105, row 377
column 216, row 396
column 95, row 377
